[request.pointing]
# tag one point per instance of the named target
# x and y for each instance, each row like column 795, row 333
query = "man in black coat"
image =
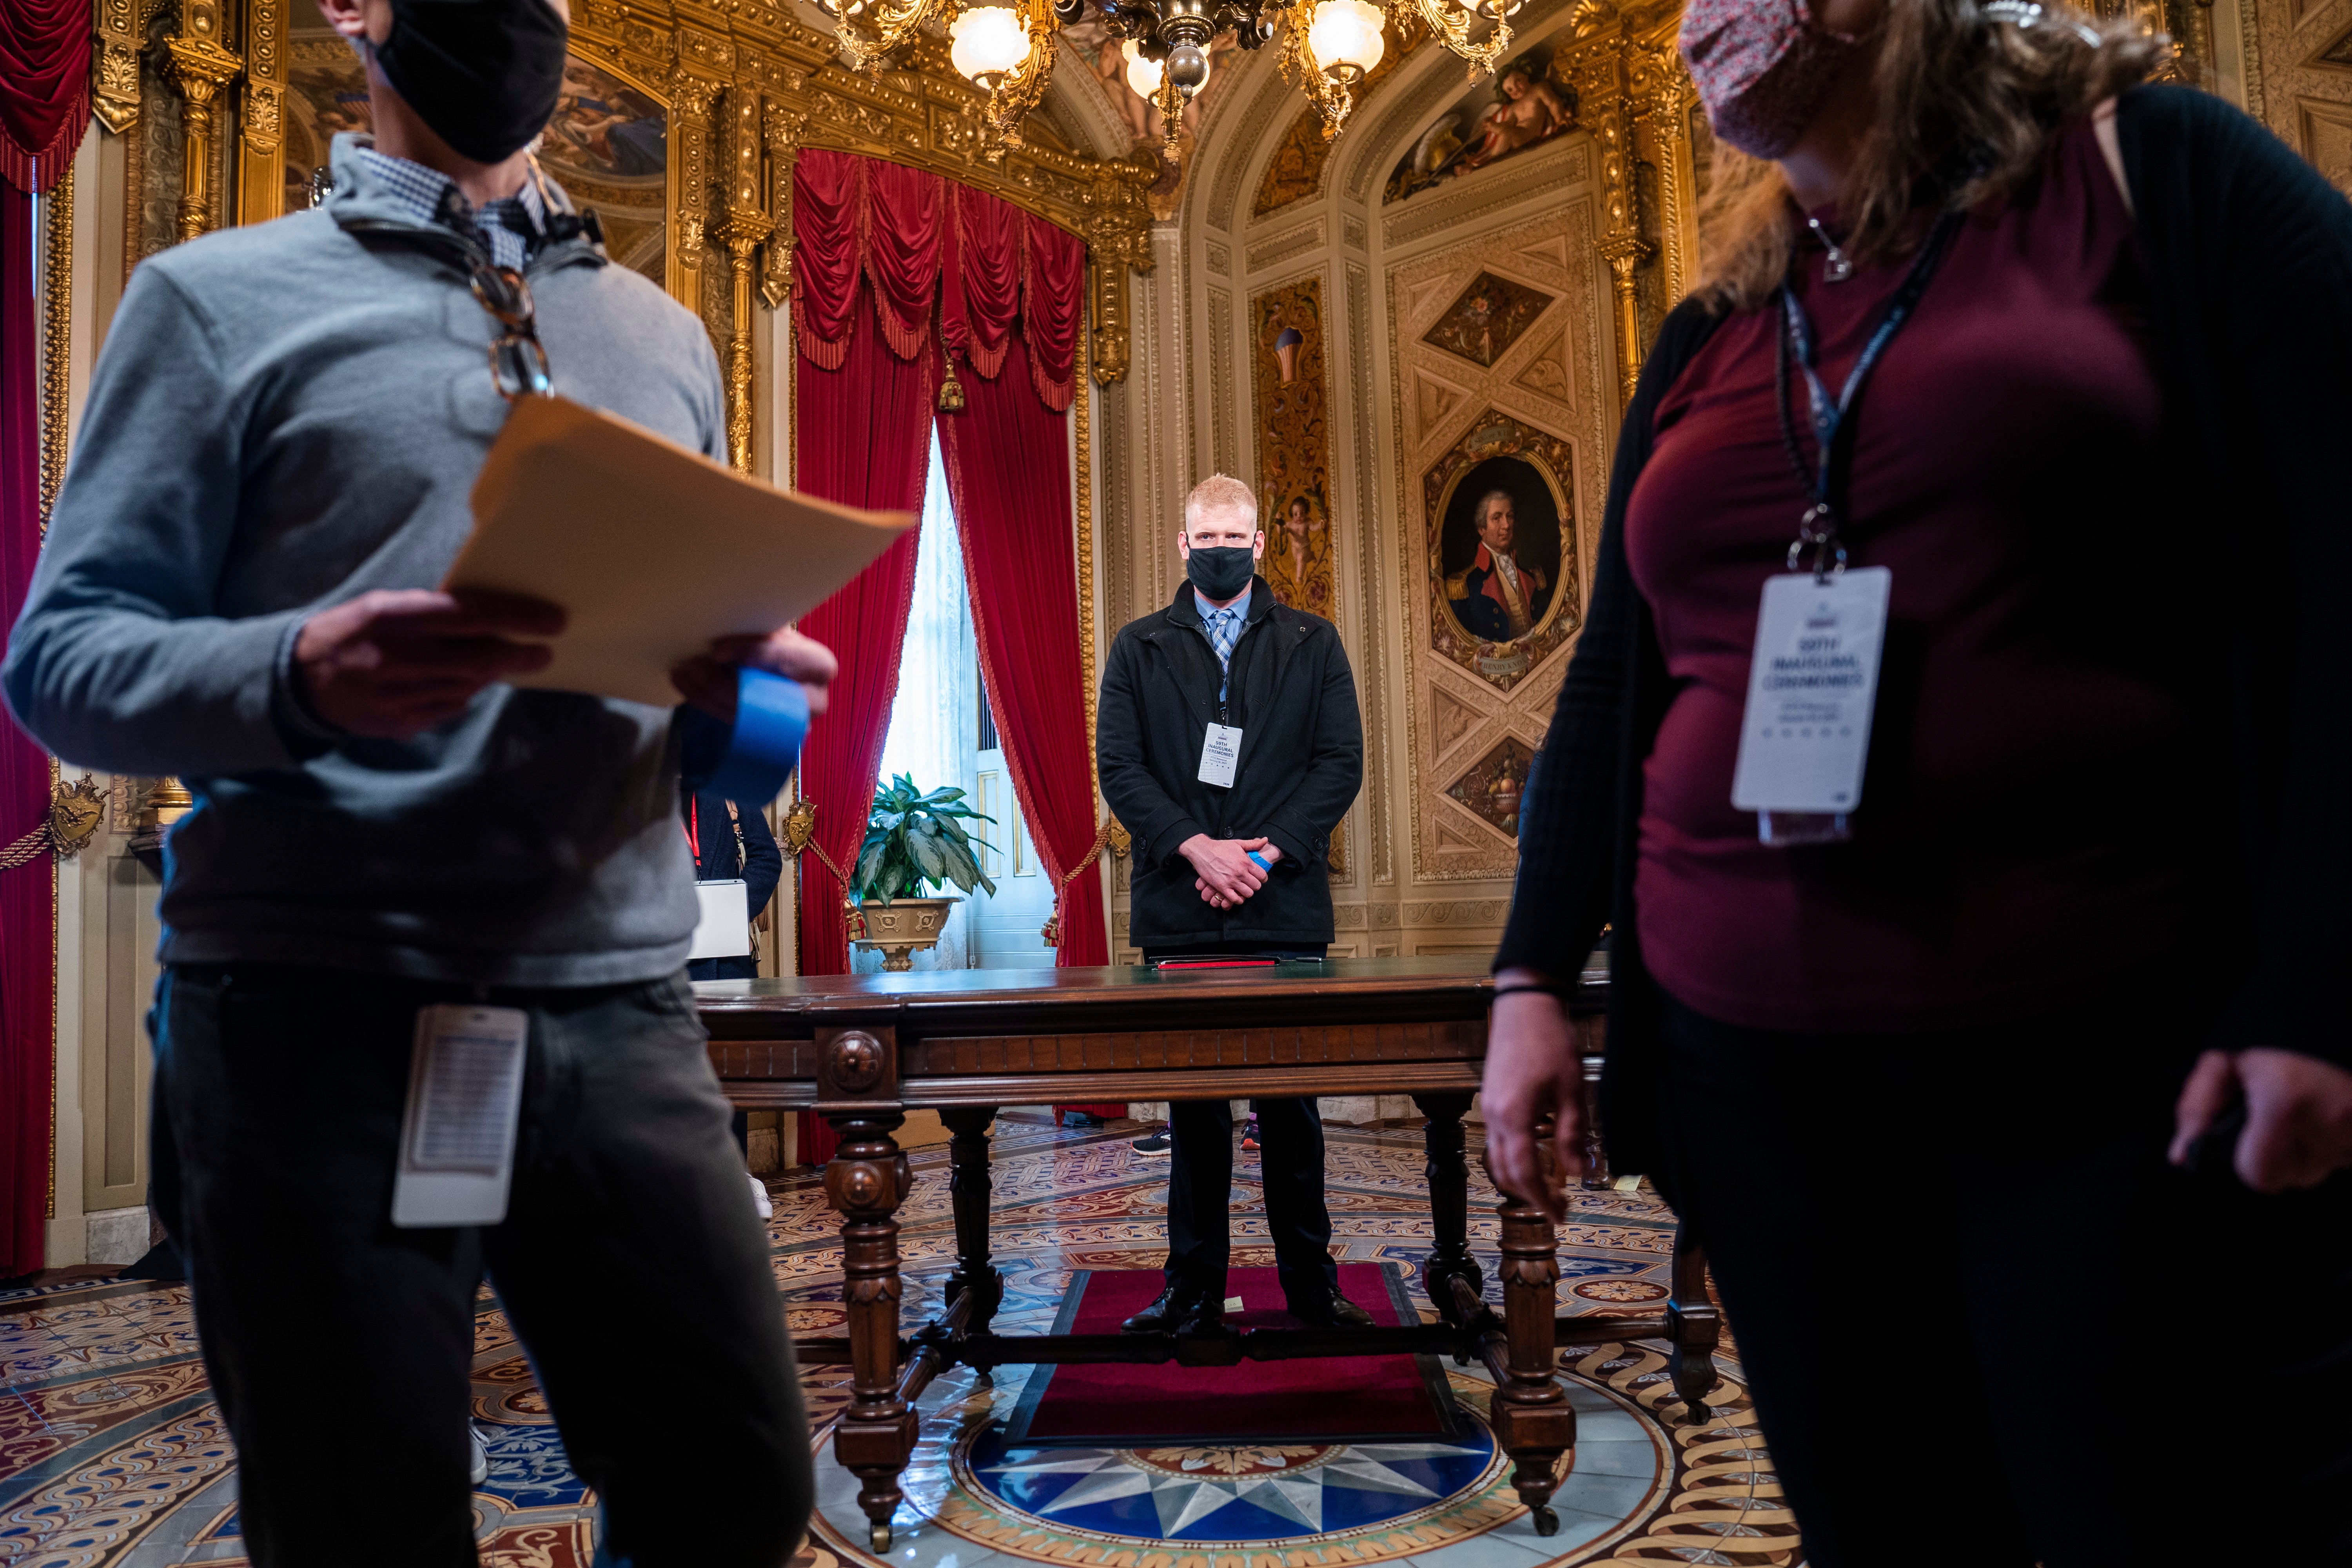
column 1230, row 745
column 731, row 841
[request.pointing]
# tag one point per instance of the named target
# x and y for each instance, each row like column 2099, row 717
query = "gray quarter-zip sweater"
column 286, row 415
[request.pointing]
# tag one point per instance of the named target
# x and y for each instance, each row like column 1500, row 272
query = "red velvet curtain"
column 44, row 88
column 44, row 109
column 895, row 267
column 28, row 893
column 862, row 413
column 1008, row 461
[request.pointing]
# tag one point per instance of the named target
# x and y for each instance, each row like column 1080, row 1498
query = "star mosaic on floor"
column 112, row 1454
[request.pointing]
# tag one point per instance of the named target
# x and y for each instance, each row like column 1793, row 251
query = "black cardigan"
column 2249, row 258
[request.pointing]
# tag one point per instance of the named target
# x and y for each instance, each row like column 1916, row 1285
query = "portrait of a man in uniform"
column 1502, row 594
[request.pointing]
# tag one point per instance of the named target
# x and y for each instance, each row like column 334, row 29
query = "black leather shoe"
column 1330, row 1312
column 1177, row 1310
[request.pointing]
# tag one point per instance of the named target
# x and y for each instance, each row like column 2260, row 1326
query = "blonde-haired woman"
column 2000, row 1065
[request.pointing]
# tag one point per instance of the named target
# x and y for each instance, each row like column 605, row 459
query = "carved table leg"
column 866, row 1182
column 1449, row 1205
column 1532, row 1419
column 1694, row 1324
column 1596, row 1175
column 968, row 1194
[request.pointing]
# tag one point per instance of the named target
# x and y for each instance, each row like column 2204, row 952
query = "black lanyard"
column 1823, row 479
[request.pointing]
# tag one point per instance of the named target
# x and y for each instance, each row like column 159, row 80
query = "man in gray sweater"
column 270, row 476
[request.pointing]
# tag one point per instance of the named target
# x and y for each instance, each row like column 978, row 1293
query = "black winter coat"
column 1301, row 762
column 2249, row 258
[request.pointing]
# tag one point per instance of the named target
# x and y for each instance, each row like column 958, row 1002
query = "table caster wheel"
column 878, row 1537
column 1547, row 1522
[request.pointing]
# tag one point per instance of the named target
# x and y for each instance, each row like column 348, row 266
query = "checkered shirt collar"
column 429, row 196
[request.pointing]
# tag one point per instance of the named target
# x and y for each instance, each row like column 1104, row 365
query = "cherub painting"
column 1525, row 108
column 1531, row 110
column 606, row 129
column 1298, row 557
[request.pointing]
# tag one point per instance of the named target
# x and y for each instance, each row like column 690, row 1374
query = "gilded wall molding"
column 1082, row 398
column 56, row 211
column 1632, row 95
column 114, row 64
column 2250, row 57
column 1225, row 454
column 1567, row 162
column 200, row 64
column 1372, row 650
column 1281, row 248
column 56, row 336
column 1268, row 96
column 260, row 145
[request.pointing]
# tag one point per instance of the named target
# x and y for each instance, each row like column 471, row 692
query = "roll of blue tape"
column 772, row 716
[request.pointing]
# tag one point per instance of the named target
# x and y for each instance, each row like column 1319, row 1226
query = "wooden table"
column 863, row 1050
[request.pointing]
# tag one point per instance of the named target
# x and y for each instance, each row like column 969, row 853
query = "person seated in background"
column 731, row 842
column 1230, row 743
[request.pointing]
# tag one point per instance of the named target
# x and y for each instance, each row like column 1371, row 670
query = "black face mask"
column 1222, row 572
column 484, row 74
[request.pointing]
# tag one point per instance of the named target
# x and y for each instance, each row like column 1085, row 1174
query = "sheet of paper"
column 651, row 549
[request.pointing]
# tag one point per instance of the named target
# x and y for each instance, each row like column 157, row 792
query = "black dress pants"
column 1987, row 1325
column 630, row 1266
column 1290, row 1165
column 1200, row 1195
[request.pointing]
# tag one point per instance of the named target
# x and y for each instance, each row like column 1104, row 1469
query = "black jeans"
column 1290, row 1165
column 630, row 1266
column 1987, row 1325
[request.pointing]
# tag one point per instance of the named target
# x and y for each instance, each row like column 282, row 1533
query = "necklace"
column 1839, row 266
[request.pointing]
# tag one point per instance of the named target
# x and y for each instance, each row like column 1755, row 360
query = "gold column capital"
column 1119, row 240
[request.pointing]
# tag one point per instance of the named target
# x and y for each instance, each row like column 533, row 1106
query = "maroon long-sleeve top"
column 2025, row 830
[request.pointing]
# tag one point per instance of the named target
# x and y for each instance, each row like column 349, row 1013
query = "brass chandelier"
column 1007, row 46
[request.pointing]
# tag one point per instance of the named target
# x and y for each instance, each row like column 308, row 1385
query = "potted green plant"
column 914, row 841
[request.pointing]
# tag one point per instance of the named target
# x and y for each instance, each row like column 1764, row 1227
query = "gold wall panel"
column 1501, row 377
column 1294, row 445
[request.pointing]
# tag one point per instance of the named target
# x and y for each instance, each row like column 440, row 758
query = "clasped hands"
column 2298, row 1108
column 395, row 662
column 1227, row 874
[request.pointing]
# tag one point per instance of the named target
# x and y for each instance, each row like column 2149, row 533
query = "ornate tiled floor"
column 111, row 1451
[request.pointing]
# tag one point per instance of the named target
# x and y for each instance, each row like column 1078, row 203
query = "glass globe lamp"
column 1142, row 75
column 1346, row 38
column 986, row 43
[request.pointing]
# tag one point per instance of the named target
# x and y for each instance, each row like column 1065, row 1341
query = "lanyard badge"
column 1812, row 679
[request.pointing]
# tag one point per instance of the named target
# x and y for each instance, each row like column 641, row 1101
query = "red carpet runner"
column 1357, row 1399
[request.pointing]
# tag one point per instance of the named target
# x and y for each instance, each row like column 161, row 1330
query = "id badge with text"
column 1221, row 753
column 1805, row 734
column 457, row 1140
